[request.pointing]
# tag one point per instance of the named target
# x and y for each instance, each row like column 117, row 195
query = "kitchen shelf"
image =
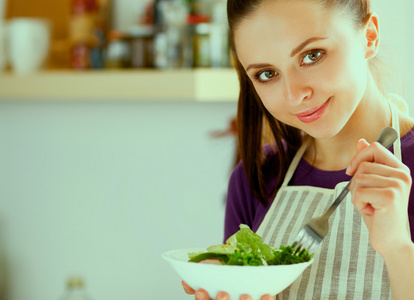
column 199, row 85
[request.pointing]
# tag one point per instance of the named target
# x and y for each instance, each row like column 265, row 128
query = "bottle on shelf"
column 102, row 24
column 219, row 37
column 170, row 18
column 80, row 32
column 142, row 36
column 88, row 25
column 75, row 290
column 142, row 46
column 118, row 52
column 199, row 24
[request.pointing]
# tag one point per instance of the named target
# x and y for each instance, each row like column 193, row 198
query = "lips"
column 313, row 114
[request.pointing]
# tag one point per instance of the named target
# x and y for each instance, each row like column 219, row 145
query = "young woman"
column 309, row 80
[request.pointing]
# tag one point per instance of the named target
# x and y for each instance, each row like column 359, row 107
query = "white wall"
column 102, row 189
column 397, row 44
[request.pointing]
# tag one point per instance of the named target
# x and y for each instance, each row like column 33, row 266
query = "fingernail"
column 222, row 296
column 199, row 296
column 245, row 297
column 348, row 170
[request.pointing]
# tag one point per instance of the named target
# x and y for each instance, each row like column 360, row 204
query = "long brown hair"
column 255, row 124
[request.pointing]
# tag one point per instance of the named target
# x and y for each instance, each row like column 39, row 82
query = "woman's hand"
column 380, row 190
column 201, row 294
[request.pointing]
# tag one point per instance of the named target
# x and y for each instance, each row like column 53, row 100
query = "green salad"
column 246, row 248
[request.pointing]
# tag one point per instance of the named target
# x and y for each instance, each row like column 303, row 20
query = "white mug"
column 28, row 41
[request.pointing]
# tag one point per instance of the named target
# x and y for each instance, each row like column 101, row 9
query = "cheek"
column 348, row 73
column 272, row 99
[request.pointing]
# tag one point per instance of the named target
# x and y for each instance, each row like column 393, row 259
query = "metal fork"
column 312, row 234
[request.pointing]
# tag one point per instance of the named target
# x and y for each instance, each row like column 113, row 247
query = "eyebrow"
column 293, row 53
column 304, row 44
column 257, row 66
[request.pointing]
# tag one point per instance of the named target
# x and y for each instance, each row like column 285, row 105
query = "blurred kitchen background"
column 120, row 144
column 119, row 34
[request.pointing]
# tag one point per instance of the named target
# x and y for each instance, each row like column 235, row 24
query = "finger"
column 188, row 290
column 245, row 297
column 222, row 296
column 201, row 294
column 359, row 198
column 362, row 144
column 380, row 170
column 368, row 210
column 268, row 297
column 378, row 198
column 369, row 180
column 373, row 153
column 394, row 179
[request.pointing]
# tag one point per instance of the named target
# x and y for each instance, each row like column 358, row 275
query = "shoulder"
column 238, row 178
column 239, row 202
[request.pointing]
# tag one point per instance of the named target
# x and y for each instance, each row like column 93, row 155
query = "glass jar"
column 142, row 46
column 118, row 52
column 201, row 45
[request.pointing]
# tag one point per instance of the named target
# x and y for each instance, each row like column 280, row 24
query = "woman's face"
column 307, row 64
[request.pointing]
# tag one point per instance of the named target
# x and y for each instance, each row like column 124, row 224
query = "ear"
column 371, row 35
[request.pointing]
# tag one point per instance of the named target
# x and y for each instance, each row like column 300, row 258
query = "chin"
column 323, row 130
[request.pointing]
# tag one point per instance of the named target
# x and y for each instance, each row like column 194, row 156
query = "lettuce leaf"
column 247, row 248
column 249, row 242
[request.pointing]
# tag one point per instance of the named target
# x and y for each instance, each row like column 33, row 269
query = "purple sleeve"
column 408, row 160
column 411, row 212
column 239, row 205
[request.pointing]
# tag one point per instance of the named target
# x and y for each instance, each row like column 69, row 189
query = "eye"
column 265, row 75
column 312, row 57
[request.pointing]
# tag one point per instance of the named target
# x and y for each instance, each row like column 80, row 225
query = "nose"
column 296, row 88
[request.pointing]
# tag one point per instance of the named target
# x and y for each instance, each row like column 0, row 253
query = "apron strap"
column 295, row 162
column 396, row 125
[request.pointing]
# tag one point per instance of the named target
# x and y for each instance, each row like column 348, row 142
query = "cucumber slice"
column 208, row 255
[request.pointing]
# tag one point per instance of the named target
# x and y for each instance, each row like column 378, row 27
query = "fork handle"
column 336, row 203
column 387, row 137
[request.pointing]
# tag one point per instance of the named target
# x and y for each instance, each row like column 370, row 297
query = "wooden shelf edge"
column 199, row 85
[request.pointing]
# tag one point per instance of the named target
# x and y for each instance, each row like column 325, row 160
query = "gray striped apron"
column 345, row 265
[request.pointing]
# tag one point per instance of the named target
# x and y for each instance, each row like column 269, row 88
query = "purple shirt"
column 242, row 208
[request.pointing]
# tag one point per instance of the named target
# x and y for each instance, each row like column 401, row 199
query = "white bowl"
column 235, row 280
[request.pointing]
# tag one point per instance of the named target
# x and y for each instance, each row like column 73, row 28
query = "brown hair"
column 255, row 123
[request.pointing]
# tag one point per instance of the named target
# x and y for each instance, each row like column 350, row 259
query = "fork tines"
column 307, row 239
